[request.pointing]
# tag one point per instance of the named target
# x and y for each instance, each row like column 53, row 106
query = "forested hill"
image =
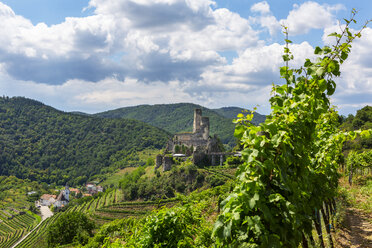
column 178, row 117
column 232, row 112
column 41, row 143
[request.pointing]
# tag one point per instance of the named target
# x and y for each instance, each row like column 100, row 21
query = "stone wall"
column 197, row 120
column 167, row 163
column 159, row 161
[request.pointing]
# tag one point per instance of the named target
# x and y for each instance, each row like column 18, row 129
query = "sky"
column 97, row 55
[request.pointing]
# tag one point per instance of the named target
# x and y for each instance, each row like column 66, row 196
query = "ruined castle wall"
column 167, row 163
column 159, row 161
column 197, row 120
column 189, row 139
column 205, row 127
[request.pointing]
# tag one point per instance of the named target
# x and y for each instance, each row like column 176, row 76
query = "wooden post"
column 318, row 227
column 326, row 222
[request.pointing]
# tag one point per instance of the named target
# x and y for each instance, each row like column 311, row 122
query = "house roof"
column 48, row 196
column 75, row 190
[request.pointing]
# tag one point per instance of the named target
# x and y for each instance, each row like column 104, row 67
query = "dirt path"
column 357, row 230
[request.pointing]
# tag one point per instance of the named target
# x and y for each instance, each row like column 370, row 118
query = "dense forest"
column 178, row 117
column 46, row 145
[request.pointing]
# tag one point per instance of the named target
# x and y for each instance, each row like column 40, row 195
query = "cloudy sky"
column 95, row 55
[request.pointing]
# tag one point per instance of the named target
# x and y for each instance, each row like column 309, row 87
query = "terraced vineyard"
column 37, row 237
column 221, row 171
column 101, row 210
column 110, row 206
column 14, row 228
column 126, row 209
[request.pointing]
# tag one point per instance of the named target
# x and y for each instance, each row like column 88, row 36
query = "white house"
column 47, row 200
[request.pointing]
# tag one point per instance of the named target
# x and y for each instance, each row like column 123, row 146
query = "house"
column 47, row 199
column 76, row 191
column 93, row 188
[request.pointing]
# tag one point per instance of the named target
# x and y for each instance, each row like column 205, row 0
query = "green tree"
column 69, row 228
column 363, row 118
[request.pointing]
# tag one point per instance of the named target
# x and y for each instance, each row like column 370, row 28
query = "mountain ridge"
column 178, row 117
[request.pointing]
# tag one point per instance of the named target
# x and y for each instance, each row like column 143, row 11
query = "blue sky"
column 95, row 55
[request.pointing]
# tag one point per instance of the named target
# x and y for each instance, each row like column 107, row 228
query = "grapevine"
column 290, row 174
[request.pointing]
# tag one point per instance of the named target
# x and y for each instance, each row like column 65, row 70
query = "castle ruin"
column 197, row 144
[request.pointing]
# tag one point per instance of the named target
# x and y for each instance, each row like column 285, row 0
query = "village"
column 58, row 201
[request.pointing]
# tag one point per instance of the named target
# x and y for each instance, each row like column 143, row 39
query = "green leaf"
column 322, row 85
column 319, row 72
column 308, row 63
column 239, row 131
column 318, row 50
column 253, row 200
column 331, row 87
column 286, row 57
column 344, row 55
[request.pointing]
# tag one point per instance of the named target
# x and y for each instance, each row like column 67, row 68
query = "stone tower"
column 197, row 120
column 67, row 193
column 205, row 127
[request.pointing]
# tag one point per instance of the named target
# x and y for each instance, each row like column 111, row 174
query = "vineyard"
column 101, row 210
column 14, row 227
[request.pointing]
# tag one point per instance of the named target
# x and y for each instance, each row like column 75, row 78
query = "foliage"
column 184, row 225
column 46, row 145
column 363, row 121
column 358, row 195
column 357, row 160
column 170, row 228
column 290, row 161
column 232, row 112
column 176, row 118
column 233, row 161
column 184, row 179
column 13, row 192
column 69, row 228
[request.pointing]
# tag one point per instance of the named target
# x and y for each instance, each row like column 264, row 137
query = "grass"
column 115, row 178
column 143, row 156
column 358, row 195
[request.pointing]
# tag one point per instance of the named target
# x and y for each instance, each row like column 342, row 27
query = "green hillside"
column 41, row 143
column 232, row 112
column 178, row 117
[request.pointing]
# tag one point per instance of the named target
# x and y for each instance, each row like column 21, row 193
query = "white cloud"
column 266, row 19
column 162, row 51
column 261, row 7
column 310, row 15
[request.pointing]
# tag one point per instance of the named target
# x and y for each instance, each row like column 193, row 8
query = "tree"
column 69, row 228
